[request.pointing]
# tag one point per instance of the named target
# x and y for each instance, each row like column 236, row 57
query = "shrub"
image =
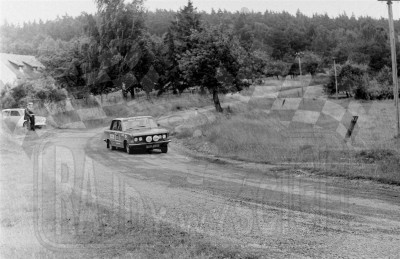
column 354, row 79
column 350, row 78
column 373, row 90
column 41, row 90
column 7, row 101
column 384, row 76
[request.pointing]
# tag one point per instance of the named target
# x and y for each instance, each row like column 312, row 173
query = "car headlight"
column 164, row 136
column 140, row 138
column 156, row 137
column 135, row 139
column 148, row 139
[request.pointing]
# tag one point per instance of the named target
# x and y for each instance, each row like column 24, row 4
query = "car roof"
column 130, row 118
column 13, row 109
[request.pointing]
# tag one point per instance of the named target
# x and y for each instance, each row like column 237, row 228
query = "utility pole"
column 394, row 63
column 300, row 65
column 334, row 67
column 299, row 55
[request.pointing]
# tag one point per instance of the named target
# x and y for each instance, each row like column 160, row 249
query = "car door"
column 15, row 116
column 6, row 117
column 118, row 134
column 112, row 132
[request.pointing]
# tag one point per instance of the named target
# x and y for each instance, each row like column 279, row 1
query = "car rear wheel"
column 109, row 146
column 164, row 149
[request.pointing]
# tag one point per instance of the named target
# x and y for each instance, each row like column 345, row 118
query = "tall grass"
column 154, row 239
column 320, row 79
column 253, row 135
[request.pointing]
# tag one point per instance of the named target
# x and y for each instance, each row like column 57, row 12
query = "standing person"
column 30, row 116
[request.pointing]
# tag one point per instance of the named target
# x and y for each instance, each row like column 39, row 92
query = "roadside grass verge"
column 161, row 240
column 380, row 165
column 251, row 135
column 141, row 236
column 255, row 136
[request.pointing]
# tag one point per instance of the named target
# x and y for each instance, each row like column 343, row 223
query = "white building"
column 16, row 67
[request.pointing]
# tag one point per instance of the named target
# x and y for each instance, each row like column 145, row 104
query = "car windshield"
column 139, row 123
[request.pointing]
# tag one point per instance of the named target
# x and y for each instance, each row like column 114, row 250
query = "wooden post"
column 299, row 55
column 334, row 65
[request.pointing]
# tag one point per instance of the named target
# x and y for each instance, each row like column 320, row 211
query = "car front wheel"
column 128, row 149
column 164, row 149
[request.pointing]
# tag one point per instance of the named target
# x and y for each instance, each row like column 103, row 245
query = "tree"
column 211, row 62
column 186, row 21
column 178, row 41
column 173, row 76
column 124, row 44
column 349, row 78
column 311, row 62
column 276, row 68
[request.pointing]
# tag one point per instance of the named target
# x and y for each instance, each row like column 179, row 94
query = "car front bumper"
column 150, row 145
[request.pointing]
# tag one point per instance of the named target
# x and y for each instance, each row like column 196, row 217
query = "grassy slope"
column 248, row 133
column 100, row 112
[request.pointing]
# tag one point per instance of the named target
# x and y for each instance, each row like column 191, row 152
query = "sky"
column 19, row 11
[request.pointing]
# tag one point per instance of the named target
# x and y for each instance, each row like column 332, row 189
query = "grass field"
column 275, row 126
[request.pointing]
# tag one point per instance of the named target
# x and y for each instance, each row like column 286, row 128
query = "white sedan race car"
column 15, row 118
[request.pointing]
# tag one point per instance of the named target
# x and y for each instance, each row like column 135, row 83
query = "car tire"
column 25, row 124
column 109, row 146
column 164, row 149
column 128, row 149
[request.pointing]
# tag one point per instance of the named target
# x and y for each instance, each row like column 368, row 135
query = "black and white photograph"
column 199, row 129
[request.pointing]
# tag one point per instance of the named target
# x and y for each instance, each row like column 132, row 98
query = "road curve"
column 279, row 210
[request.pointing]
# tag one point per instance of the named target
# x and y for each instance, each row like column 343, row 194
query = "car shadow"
column 141, row 152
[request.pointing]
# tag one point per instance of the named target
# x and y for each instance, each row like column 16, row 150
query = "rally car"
column 136, row 133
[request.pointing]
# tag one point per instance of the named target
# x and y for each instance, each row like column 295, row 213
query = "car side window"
column 115, row 125
column 112, row 125
column 15, row 113
column 119, row 128
column 6, row 113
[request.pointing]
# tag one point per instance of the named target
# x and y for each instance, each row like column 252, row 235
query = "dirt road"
column 278, row 210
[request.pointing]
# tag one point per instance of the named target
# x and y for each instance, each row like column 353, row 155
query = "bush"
column 7, row 101
column 373, row 90
column 355, row 80
column 41, row 90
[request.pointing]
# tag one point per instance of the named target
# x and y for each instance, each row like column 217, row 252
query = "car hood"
column 144, row 132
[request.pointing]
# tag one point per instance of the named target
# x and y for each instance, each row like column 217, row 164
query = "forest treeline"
column 124, row 46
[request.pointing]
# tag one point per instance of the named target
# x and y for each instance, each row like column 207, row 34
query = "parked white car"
column 15, row 118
